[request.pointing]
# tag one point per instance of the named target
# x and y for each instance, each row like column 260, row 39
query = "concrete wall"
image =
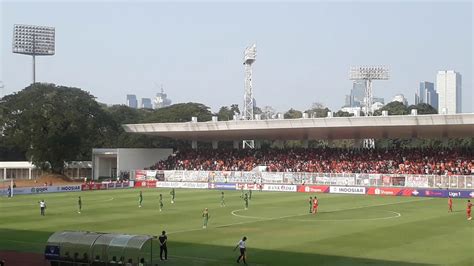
column 134, row 159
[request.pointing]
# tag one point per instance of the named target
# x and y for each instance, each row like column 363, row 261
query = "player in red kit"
column 468, row 210
column 450, row 204
column 315, row 205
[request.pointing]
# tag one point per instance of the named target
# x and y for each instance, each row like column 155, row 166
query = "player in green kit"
column 246, row 199
column 250, row 194
column 222, row 199
column 173, row 194
column 140, row 200
column 79, row 205
column 310, row 204
column 242, row 192
column 161, row 202
column 205, row 216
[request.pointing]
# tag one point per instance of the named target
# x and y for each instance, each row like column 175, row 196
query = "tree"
column 268, row 112
column 317, row 105
column 181, row 112
column 227, row 113
column 423, row 109
column 394, row 108
column 318, row 112
column 293, row 114
column 53, row 124
column 341, row 113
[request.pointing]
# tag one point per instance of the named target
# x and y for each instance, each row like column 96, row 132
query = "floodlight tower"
column 33, row 40
column 367, row 74
column 250, row 55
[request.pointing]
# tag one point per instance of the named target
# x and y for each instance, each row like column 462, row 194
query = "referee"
column 163, row 239
column 241, row 246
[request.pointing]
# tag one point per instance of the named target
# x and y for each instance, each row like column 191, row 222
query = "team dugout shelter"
column 91, row 248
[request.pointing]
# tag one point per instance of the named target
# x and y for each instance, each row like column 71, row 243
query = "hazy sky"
column 304, row 50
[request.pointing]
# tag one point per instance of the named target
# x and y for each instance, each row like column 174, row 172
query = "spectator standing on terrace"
column 79, row 205
column 163, row 240
column 205, row 216
column 42, row 206
column 140, row 200
column 161, row 202
column 243, row 250
column 222, row 199
column 173, row 195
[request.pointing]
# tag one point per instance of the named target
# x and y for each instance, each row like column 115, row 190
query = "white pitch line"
column 298, row 215
column 397, row 214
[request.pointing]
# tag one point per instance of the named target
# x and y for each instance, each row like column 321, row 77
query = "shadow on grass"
column 181, row 253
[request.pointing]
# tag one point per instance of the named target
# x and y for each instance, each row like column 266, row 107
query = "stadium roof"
column 406, row 126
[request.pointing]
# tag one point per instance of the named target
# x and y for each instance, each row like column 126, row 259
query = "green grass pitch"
column 349, row 230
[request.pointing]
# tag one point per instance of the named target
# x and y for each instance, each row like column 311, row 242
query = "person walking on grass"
column 243, row 250
column 250, row 194
column 222, row 199
column 173, row 195
column 205, row 216
column 163, row 249
column 310, row 204
column 140, row 200
column 79, row 205
column 161, row 202
column 42, row 207
column 246, row 199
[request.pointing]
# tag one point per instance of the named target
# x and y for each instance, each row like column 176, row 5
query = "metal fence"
column 349, row 179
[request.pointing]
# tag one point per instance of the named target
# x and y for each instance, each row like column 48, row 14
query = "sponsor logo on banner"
column 347, row 190
column 183, row 185
column 69, row 188
column 224, row 186
column 443, row 193
column 389, row 191
column 283, row 188
column 313, row 189
column 51, row 252
column 246, row 186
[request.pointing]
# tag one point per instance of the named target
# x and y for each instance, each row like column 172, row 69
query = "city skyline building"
column 400, row 98
column 449, row 88
column 146, row 103
column 161, row 99
column 132, row 101
column 427, row 94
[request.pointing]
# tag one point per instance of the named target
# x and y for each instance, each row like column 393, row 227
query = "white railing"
column 348, row 179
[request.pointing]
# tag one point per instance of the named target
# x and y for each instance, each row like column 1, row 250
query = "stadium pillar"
column 305, row 143
column 236, row 144
column 194, row 144
column 214, row 144
column 29, row 173
column 4, row 173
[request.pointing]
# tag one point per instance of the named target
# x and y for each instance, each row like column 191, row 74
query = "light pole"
column 33, row 40
column 250, row 55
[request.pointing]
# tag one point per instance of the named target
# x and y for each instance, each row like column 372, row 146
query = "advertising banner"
column 282, row 188
column 313, row 189
column 443, row 193
column 140, row 175
column 383, row 191
column 347, row 190
column 50, row 189
column 222, row 186
column 247, row 186
column 146, row 183
column 93, row 186
column 183, row 185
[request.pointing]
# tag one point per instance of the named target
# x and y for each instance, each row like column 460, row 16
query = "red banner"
column 93, row 186
column 382, row 191
column 313, row 189
column 147, row 183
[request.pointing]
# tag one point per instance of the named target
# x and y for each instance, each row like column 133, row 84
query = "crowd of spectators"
column 325, row 160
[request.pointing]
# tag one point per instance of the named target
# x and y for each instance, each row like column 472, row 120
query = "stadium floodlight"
column 250, row 55
column 33, row 40
column 367, row 74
